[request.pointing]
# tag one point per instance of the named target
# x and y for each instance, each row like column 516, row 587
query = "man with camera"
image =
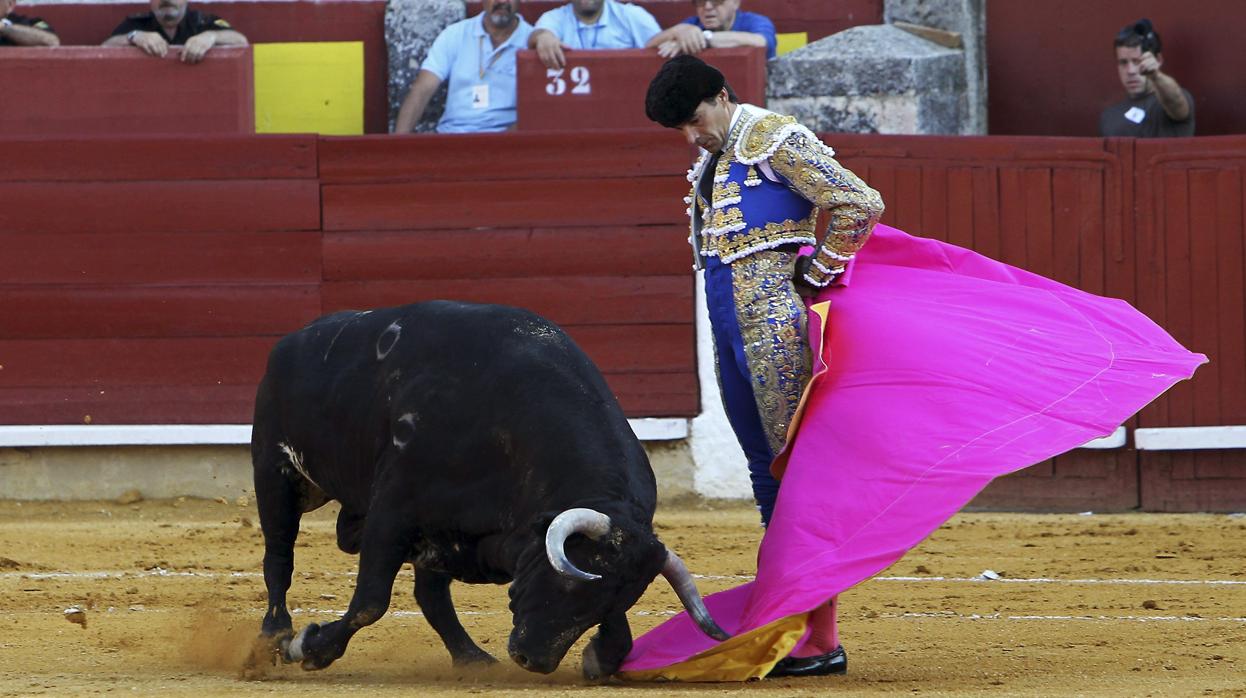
column 1156, row 106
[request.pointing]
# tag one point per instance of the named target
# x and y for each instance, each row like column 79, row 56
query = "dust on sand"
column 1141, row 604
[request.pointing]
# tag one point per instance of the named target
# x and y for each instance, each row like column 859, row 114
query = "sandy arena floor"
column 1124, row 605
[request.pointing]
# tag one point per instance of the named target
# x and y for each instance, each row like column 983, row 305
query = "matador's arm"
column 810, row 169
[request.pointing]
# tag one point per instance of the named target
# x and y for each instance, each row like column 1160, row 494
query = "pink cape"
column 943, row 369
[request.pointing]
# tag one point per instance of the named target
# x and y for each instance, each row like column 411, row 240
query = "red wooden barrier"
column 1052, row 206
column 262, row 21
column 142, row 288
column 1191, row 199
column 145, row 279
column 510, row 218
column 120, row 91
column 1078, row 76
column 272, row 21
column 604, row 90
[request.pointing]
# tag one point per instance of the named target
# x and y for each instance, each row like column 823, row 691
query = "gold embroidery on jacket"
column 854, row 207
column 760, row 137
column 772, row 321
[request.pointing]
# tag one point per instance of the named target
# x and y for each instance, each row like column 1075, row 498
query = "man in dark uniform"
column 170, row 24
column 16, row 30
column 1157, row 107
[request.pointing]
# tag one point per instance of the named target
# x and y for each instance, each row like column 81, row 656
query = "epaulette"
column 763, row 137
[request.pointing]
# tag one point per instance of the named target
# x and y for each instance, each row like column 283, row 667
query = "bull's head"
column 554, row 601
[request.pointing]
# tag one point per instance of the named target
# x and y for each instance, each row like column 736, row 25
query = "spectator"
column 1156, row 106
column 16, row 30
column 591, row 24
column 717, row 24
column 481, row 95
column 170, row 24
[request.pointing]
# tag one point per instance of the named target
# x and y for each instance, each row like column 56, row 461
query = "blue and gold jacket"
column 769, row 184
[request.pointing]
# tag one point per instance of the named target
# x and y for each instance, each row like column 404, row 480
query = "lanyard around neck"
column 596, row 33
column 480, row 56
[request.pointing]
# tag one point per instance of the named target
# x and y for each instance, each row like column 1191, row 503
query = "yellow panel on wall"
column 791, row 42
column 312, row 87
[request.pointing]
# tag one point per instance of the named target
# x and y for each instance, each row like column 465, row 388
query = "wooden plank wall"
column 1051, row 206
column 275, row 21
column 145, row 279
column 595, row 241
column 263, row 22
column 1198, row 37
column 1191, row 202
column 71, row 92
column 612, row 85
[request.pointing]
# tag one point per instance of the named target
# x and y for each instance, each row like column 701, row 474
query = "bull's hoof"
column 475, row 659
column 594, row 668
column 297, row 649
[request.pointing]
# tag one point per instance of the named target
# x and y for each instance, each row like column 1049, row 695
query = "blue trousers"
column 762, row 357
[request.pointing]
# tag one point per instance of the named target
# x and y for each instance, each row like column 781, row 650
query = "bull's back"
column 349, row 386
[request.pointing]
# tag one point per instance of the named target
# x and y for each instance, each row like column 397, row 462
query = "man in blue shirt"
column 591, row 24
column 477, row 56
column 717, row 24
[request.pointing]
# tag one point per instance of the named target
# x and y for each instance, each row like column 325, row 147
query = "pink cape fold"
column 946, row 369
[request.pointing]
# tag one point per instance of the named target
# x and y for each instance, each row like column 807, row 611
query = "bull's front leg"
column 608, row 648
column 386, row 540
column 432, row 592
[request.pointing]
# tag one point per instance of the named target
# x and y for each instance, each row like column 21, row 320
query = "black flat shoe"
column 834, row 662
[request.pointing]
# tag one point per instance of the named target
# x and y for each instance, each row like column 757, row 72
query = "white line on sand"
column 934, row 615
column 160, row 572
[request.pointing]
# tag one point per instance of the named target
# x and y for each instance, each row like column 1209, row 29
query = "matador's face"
column 710, row 122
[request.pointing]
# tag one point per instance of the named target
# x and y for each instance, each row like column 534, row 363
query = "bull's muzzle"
column 530, row 662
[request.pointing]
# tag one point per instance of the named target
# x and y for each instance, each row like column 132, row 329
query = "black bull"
column 475, row 442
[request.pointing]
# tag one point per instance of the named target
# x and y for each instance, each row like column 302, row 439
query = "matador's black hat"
column 681, row 84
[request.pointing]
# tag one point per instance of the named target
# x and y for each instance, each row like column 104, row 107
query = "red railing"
column 144, row 279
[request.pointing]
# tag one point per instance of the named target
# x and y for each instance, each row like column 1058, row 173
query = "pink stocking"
column 823, row 631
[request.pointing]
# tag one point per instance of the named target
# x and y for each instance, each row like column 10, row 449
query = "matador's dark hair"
column 681, row 84
column 1140, row 34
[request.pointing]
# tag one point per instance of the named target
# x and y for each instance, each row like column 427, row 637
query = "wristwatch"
column 709, row 36
column 130, row 37
column 5, row 23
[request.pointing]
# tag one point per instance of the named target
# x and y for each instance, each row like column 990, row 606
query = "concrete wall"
column 159, row 472
column 967, row 18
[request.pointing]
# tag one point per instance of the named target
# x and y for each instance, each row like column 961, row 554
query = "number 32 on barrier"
column 557, row 85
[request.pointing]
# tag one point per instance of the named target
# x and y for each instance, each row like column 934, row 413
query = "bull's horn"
column 590, row 522
column 677, row 574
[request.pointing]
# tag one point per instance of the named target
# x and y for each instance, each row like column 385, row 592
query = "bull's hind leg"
column 282, row 497
column 432, row 592
column 384, row 546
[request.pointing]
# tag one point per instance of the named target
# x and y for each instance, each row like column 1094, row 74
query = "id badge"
column 1135, row 115
column 480, row 96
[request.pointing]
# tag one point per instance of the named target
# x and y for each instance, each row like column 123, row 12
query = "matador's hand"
column 798, row 277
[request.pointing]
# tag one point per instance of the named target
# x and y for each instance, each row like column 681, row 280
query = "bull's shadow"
column 478, row 443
